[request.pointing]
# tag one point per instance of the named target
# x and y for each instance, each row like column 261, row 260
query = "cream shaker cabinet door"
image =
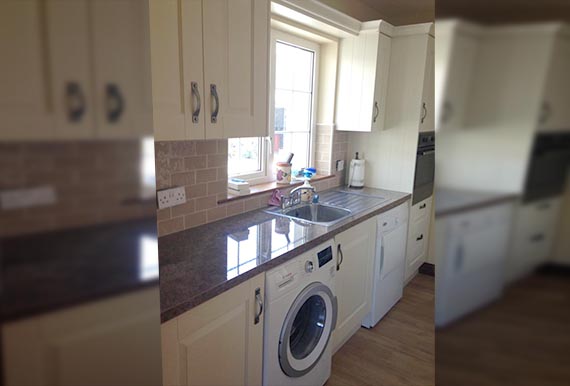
column 427, row 115
column 193, row 89
column 168, row 97
column 219, row 342
column 121, row 68
column 114, row 341
column 355, row 253
column 72, row 92
column 25, row 104
column 236, row 54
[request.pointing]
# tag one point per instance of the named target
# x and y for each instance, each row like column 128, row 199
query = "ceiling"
column 400, row 12
column 505, row 11
column 395, row 12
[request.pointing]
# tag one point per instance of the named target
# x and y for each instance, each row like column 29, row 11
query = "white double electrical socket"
column 171, row 197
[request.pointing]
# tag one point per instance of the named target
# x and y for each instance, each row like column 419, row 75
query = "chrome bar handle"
column 424, row 112
column 340, row 255
column 259, row 301
column 381, row 257
column 196, row 94
column 75, row 101
column 376, row 111
column 214, row 93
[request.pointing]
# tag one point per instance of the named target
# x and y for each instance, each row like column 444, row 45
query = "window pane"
column 292, row 111
column 294, row 72
column 296, row 143
column 293, row 68
column 244, row 156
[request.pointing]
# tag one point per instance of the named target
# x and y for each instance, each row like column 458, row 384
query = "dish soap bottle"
column 307, row 194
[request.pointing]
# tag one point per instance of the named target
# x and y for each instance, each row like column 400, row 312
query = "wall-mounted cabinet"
column 456, row 49
column 555, row 114
column 209, row 68
column 363, row 67
column 74, row 69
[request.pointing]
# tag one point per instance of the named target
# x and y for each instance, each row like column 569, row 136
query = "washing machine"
column 301, row 313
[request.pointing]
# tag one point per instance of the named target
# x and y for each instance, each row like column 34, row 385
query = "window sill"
column 259, row 189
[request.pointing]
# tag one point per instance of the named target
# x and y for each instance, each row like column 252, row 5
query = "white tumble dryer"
column 300, row 318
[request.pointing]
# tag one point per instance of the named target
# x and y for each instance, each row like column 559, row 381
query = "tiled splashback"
column 201, row 167
column 94, row 182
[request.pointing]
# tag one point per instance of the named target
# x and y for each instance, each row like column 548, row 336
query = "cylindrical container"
column 283, row 173
column 356, row 173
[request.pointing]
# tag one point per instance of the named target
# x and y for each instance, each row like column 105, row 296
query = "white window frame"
column 294, row 40
column 267, row 159
column 262, row 175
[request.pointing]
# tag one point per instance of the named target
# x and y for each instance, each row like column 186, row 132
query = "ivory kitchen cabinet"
column 457, row 43
column 120, row 335
column 210, row 61
column 427, row 117
column 25, row 101
column 418, row 237
column 74, row 69
column 220, row 342
column 362, row 79
column 554, row 114
column 355, row 254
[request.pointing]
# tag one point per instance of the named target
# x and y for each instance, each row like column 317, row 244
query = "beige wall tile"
column 217, row 213
column 195, row 219
column 180, row 210
column 235, row 208
column 170, row 226
column 195, row 162
column 206, row 175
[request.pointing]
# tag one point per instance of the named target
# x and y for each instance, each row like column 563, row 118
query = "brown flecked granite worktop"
column 55, row 270
column 200, row 263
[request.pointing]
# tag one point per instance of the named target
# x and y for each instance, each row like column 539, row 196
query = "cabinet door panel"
column 353, row 279
column 120, row 68
column 193, row 62
column 555, row 115
column 221, row 330
column 381, row 81
column 68, row 31
column 236, row 62
column 25, row 103
column 167, row 71
column 427, row 114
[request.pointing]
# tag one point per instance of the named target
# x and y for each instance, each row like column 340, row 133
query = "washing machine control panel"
column 325, row 256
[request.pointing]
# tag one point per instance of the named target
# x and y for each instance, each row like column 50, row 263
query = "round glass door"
column 307, row 330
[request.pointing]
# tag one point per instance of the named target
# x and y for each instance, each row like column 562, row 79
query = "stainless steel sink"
column 313, row 213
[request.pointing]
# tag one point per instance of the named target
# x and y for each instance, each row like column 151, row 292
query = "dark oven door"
column 425, row 174
column 546, row 176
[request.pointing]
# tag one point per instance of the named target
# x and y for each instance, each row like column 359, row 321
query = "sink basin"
column 315, row 214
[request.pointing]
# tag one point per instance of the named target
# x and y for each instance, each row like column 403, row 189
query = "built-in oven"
column 425, row 167
column 548, row 167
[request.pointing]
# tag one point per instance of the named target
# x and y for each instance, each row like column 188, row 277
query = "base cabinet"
column 418, row 237
column 355, row 253
column 220, row 342
column 533, row 236
column 110, row 342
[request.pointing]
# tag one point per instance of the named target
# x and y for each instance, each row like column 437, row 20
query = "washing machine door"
column 307, row 329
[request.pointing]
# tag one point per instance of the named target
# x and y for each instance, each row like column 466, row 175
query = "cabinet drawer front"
column 421, row 209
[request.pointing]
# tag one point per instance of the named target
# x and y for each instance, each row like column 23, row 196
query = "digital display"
column 325, row 256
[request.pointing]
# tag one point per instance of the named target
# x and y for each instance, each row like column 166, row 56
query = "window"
column 293, row 90
column 294, row 63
